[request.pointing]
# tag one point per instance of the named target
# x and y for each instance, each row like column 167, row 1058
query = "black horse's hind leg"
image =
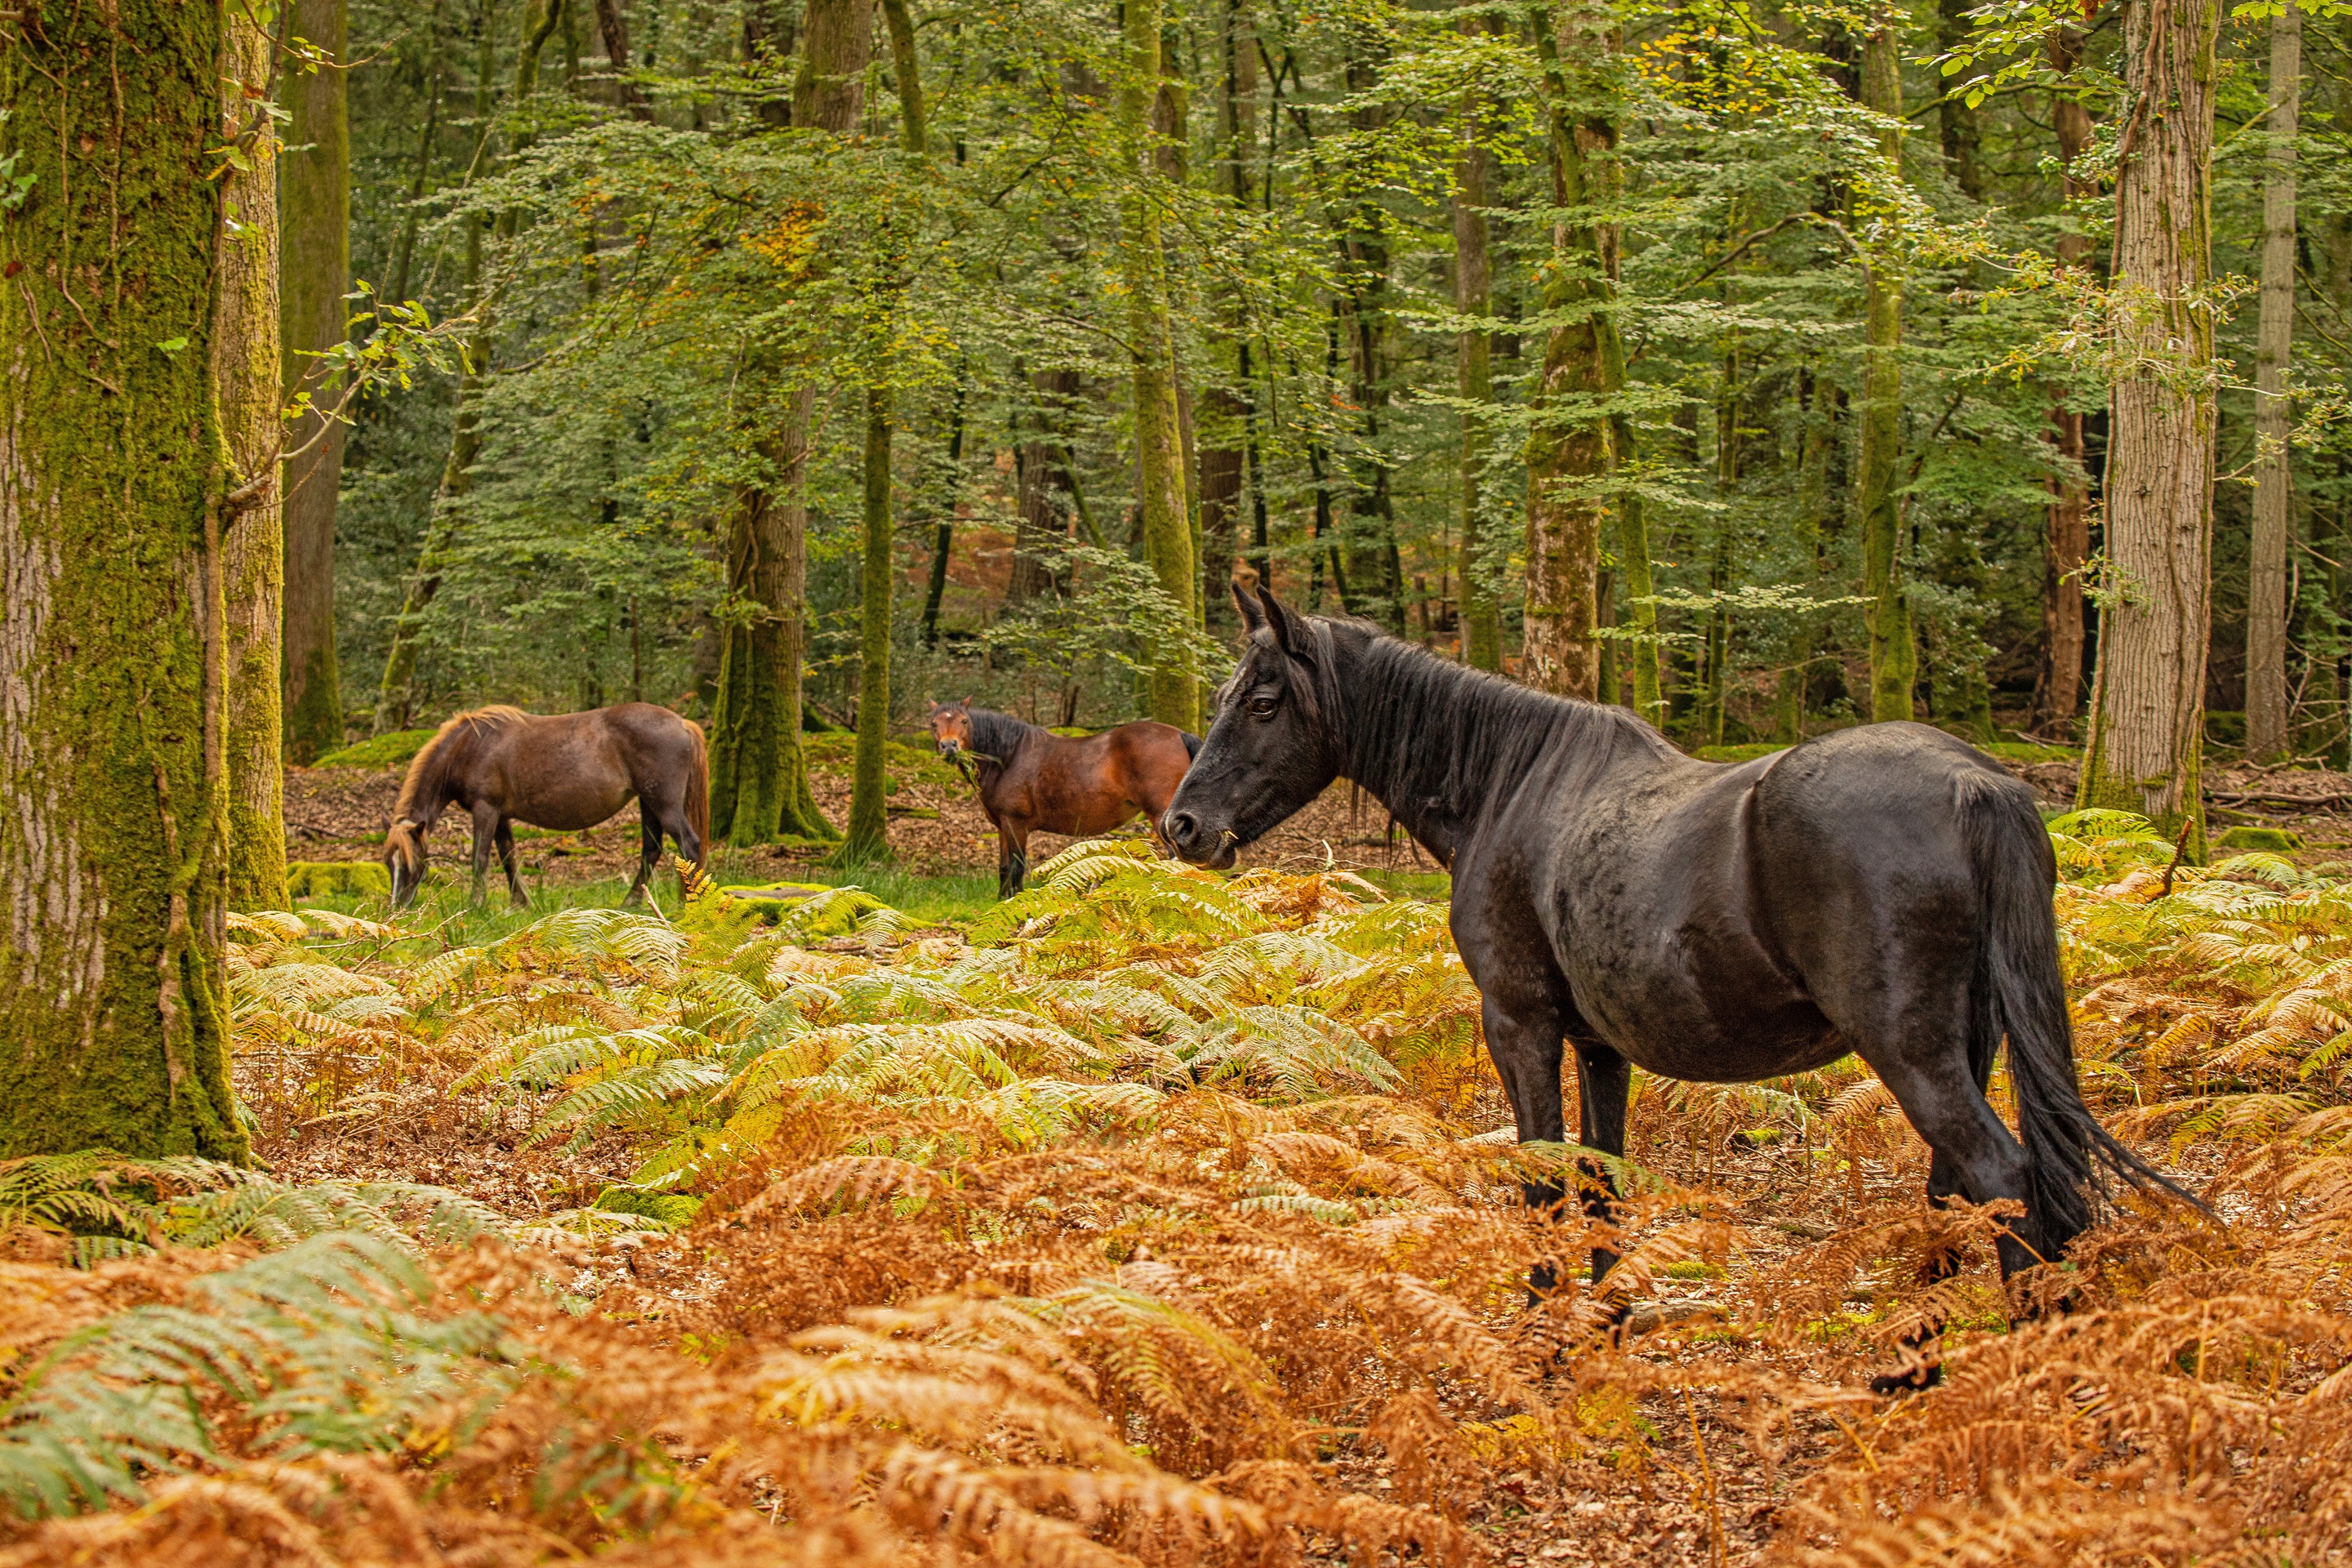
column 509, row 860
column 1603, row 1080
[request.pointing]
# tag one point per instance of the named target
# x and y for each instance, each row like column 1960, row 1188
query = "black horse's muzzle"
column 1197, row 842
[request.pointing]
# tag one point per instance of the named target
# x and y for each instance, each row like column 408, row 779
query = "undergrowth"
column 1162, row 1217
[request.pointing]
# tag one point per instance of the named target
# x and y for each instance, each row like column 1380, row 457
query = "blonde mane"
column 431, row 762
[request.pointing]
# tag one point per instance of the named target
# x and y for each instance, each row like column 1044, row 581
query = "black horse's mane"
column 1421, row 730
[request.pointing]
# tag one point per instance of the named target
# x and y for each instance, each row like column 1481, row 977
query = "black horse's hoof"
column 1904, row 1380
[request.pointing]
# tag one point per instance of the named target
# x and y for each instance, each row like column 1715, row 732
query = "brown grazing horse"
column 567, row 771
column 1033, row 781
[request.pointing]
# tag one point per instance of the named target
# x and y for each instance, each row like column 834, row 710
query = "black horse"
column 1884, row 891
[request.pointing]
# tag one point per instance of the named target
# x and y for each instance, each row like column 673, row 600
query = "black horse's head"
column 1272, row 748
column 404, row 857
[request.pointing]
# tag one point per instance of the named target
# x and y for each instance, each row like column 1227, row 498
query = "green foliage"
column 390, row 750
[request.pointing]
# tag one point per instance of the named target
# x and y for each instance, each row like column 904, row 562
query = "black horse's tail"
column 2063, row 1139
column 1191, row 744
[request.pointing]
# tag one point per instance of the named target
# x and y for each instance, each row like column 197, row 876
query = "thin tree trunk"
column 114, row 1019
column 613, row 28
column 404, row 256
column 315, row 207
column 1569, row 451
column 867, row 837
column 1174, row 682
column 2069, row 542
column 943, row 543
column 2148, row 704
column 1959, row 128
column 2266, row 606
column 1481, row 633
column 246, row 373
column 1043, row 526
column 1894, row 652
column 758, row 773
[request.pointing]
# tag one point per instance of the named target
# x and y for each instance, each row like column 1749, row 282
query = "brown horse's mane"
column 429, row 771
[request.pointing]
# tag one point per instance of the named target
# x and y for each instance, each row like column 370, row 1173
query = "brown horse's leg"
column 488, row 823
column 1012, row 860
column 649, row 855
column 511, row 861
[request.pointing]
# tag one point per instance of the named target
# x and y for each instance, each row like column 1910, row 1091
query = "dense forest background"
column 651, row 245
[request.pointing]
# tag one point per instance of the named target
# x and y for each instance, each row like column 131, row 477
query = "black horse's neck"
column 1438, row 742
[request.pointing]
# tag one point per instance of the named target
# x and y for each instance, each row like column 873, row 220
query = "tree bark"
column 2266, row 606
column 1894, row 652
column 1481, row 634
column 315, row 212
column 1959, row 128
column 2148, row 705
column 1044, row 490
column 1569, row 442
column 759, row 775
column 113, row 998
column 613, row 29
column 1174, row 680
column 246, row 371
column 2069, row 542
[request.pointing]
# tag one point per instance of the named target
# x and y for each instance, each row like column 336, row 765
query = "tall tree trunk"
column 1959, row 128
column 114, row 1019
column 1043, row 526
column 315, row 212
column 2266, row 606
column 867, row 837
column 403, row 255
column 1894, row 652
column 613, row 29
column 759, row 775
column 1569, row 451
column 1163, row 493
column 2148, row 705
column 1482, row 632
column 2069, row 542
column 246, row 371
column 944, row 541
column 396, row 700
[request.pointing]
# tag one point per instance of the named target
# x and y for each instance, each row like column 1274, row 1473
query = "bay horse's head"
column 950, row 725
column 403, row 858
column 1272, row 748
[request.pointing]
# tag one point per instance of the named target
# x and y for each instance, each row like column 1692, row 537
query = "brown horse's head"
column 952, row 728
column 404, row 857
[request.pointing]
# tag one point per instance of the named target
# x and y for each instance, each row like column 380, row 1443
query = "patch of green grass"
column 390, row 751
column 2030, row 752
column 836, row 752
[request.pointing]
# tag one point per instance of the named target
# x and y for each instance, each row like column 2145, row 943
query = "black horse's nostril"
column 1180, row 828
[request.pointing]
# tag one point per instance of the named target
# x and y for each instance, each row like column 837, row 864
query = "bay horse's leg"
column 1013, row 860
column 1603, row 1080
column 648, row 852
column 510, row 861
column 487, row 821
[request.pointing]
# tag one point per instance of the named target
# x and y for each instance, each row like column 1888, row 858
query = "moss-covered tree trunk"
column 315, row 212
column 2069, row 533
column 2266, row 606
column 867, row 837
column 1162, row 497
column 246, row 373
column 1481, row 633
column 1894, row 650
column 758, row 773
column 1569, row 442
column 113, row 661
column 2147, row 702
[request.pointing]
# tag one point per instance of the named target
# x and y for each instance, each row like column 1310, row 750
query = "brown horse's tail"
column 697, row 794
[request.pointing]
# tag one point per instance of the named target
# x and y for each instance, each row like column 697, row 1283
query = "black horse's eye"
column 1263, row 707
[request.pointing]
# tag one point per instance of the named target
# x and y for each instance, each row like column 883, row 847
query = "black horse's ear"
column 1253, row 614
column 1289, row 635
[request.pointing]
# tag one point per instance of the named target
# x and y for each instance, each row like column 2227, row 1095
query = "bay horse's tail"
column 697, row 793
column 2063, row 1139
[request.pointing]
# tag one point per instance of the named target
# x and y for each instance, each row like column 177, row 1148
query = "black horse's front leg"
column 1604, row 1079
column 1525, row 1042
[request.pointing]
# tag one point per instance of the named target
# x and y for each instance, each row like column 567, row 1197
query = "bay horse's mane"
column 999, row 735
column 1417, row 728
column 430, row 768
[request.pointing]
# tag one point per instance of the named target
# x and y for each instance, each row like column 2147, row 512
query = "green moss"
column 391, row 751
column 2271, row 838
column 308, row 881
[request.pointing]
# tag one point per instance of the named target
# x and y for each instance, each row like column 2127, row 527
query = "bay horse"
column 1033, row 781
column 564, row 771
column 1884, row 891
